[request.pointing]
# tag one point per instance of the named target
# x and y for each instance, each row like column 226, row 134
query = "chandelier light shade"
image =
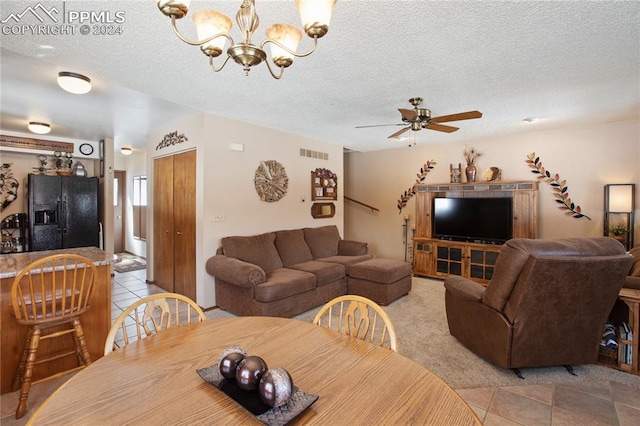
column 74, row 83
column 125, row 150
column 39, row 128
column 213, row 30
column 287, row 35
column 210, row 23
column 315, row 16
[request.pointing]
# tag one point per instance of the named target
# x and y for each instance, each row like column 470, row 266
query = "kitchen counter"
column 12, row 263
column 96, row 322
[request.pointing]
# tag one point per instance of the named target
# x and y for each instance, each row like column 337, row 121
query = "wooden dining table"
column 154, row 380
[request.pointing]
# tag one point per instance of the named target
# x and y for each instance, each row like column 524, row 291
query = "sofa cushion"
column 322, row 241
column 292, row 247
column 325, row 272
column 282, row 283
column 258, row 249
column 352, row 248
column 235, row 271
column 346, row 261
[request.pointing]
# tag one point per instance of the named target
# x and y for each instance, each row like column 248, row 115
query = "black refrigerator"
column 63, row 212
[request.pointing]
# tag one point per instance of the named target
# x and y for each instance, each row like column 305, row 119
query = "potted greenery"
column 619, row 232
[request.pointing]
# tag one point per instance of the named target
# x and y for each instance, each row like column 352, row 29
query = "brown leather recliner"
column 546, row 305
column 633, row 280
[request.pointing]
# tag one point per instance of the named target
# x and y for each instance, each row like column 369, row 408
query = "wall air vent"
column 314, row 154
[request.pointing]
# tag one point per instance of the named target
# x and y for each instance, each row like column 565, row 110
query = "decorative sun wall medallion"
column 271, row 181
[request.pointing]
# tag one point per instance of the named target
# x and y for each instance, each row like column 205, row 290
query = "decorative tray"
column 272, row 416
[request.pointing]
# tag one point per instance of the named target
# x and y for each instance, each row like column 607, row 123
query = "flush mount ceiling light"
column 74, row 83
column 39, row 128
column 213, row 32
column 125, row 150
column 531, row 119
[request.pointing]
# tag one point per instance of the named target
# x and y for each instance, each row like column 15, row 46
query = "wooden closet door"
column 184, row 218
column 163, row 229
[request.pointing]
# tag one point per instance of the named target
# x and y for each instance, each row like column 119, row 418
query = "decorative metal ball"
column 249, row 372
column 275, row 387
column 232, row 349
column 229, row 364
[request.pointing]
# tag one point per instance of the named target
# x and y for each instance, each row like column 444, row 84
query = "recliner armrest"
column 352, row 248
column 464, row 288
column 235, row 271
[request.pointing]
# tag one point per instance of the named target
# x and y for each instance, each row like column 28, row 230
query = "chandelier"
column 213, row 33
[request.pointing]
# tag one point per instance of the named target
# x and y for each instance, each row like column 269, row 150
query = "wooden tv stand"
column 438, row 258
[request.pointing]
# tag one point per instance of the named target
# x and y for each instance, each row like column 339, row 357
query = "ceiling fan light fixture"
column 74, row 83
column 125, row 150
column 39, row 128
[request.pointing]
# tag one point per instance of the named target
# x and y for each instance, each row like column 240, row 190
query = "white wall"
column 225, row 187
column 587, row 158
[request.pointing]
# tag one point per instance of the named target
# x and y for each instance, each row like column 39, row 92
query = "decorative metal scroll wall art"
column 8, row 186
column 424, row 170
column 560, row 189
column 170, row 139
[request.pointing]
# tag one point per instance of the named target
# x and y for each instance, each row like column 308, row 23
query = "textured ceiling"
column 570, row 63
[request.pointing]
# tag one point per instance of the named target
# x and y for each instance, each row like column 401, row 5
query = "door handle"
column 179, row 233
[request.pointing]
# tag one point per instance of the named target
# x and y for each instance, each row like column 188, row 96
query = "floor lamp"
column 619, row 210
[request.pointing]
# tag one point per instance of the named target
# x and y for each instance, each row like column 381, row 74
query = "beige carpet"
column 423, row 335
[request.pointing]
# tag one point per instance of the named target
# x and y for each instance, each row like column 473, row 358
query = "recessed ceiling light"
column 531, row 119
column 39, row 128
column 125, row 150
column 74, row 83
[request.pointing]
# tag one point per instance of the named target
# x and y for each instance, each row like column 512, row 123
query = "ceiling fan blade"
column 399, row 132
column 408, row 114
column 455, row 117
column 441, row 128
column 381, row 125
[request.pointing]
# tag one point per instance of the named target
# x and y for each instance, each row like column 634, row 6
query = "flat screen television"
column 482, row 220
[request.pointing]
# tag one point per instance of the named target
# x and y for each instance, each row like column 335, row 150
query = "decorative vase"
column 470, row 171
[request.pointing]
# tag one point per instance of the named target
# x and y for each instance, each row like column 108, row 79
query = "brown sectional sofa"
column 283, row 273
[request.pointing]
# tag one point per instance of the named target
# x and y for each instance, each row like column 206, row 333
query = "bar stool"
column 48, row 296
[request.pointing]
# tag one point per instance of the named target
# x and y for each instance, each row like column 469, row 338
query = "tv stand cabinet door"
column 482, row 262
column 423, row 258
column 450, row 258
column 525, row 214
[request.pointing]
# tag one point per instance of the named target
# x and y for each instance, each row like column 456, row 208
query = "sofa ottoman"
column 381, row 280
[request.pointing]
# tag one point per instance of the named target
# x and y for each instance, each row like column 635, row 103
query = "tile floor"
column 591, row 403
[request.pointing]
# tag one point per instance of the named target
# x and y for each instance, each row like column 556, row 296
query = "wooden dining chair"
column 359, row 317
column 48, row 296
column 151, row 315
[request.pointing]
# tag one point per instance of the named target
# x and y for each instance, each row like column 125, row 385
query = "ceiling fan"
column 420, row 118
